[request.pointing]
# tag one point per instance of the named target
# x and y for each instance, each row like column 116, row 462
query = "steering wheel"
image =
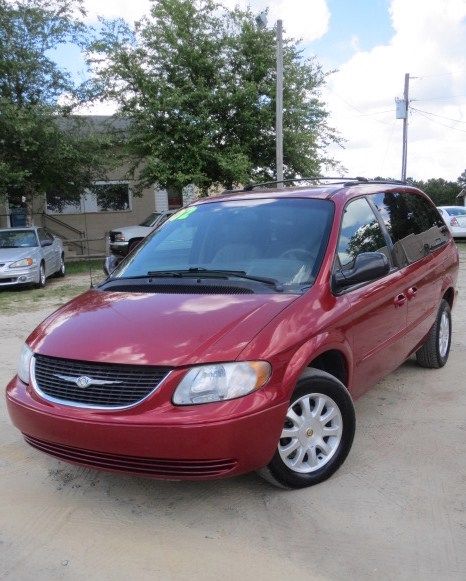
column 297, row 254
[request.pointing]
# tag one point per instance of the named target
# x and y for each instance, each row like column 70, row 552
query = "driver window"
column 360, row 232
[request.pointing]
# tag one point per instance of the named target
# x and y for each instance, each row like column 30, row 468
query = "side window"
column 360, row 232
column 42, row 235
column 415, row 226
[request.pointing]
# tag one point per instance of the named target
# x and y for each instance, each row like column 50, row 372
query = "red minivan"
column 238, row 335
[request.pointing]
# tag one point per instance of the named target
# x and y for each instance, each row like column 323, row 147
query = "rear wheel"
column 62, row 270
column 434, row 353
column 317, row 434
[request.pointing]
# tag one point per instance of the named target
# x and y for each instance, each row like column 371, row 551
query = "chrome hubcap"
column 444, row 335
column 311, row 434
column 42, row 275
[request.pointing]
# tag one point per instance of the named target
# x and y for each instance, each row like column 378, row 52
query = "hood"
column 14, row 254
column 130, row 231
column 156, row 329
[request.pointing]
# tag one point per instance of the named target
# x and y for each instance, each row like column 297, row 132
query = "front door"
column 378, row 310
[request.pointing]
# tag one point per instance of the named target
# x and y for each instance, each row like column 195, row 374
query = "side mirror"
column 367, row 266
column 110, row 263
column 46, row 243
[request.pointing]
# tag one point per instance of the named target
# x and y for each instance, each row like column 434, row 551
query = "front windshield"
column 18, row 239
column 282, row 239
column 149, row 221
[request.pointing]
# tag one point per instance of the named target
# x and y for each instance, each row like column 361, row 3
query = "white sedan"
column 455, row 219
column 29, row 256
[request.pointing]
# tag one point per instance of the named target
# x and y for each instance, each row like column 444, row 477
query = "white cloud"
column 428, row 42
column 129, row 10
column 306, row 19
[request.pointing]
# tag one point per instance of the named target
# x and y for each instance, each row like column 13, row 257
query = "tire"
column 42, row 278
column 62, row 270
column 434, row 352
column 320, row 455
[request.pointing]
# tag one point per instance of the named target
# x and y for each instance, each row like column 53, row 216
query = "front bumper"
column 155, row 438
column 18, row 276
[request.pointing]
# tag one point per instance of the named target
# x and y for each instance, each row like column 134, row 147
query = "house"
column 83, row 225
column 461, row 197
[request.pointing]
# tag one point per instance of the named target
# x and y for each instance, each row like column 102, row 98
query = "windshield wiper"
column 216, row 273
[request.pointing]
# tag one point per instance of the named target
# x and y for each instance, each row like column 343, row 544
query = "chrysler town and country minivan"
column 239, row 333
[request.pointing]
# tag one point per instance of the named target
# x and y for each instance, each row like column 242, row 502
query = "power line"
column 438, row 122
column 435, row 115
column 441, row 98
column 361, row 113
column 431, row 76
column 388, row 147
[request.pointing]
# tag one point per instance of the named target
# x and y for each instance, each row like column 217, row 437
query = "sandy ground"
column 395, row 510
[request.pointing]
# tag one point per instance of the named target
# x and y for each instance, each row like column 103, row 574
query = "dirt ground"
column 395, row 510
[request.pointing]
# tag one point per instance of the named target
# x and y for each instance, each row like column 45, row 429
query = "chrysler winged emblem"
column 83, row 381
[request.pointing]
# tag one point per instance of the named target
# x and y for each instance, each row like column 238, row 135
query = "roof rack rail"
column 250, row 187
column 342, row 179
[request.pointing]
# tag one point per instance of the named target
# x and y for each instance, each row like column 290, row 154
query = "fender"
column 306, row 353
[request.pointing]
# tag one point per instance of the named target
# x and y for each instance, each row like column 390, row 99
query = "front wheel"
column 434, row 353
column 42, row 278
column 317, row 434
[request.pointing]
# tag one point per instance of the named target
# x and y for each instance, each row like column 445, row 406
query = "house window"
column 102, row 197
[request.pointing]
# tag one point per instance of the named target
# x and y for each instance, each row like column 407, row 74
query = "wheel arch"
column 332, row 355
column 449, row 296
column 334, row 362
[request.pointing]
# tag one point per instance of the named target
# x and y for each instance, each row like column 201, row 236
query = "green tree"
column 39, row 152
column 441, row 192
column 462, row 179
column 197, row 82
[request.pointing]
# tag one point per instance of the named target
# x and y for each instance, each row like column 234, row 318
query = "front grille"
column 156, row 467
column 132, row 383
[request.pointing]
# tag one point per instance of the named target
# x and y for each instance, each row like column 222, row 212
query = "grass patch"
column 55, row 294
column 82, row 266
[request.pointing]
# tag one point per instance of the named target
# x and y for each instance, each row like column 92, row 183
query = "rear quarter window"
column 413, row 223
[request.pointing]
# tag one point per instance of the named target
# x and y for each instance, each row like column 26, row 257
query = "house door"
column 16, row 211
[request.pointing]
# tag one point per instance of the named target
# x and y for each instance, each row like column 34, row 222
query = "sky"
column 370, row 45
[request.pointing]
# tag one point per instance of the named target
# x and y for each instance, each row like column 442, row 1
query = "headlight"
column 222, row 381
column 119, row 237
column 24, row 364
column 22, row 263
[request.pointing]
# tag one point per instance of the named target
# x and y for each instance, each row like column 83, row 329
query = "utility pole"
column 279, row 102
column 405, row 128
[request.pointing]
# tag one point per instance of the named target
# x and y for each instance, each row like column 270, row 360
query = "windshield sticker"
column 183, row 214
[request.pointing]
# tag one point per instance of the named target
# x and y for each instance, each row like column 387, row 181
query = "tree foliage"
column 462, row 179
column 442, row 192
column 38, row 151
column 197, row 82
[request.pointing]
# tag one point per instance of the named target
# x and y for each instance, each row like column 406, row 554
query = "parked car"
column 124, row 240
column 238, row 334
column 29, row 256
column 455, row 219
